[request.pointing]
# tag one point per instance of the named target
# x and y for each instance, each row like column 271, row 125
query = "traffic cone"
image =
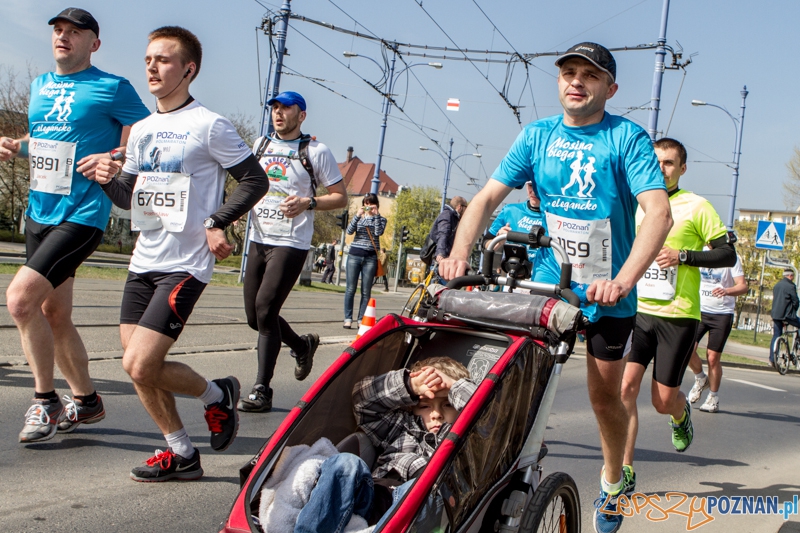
column 368, row 320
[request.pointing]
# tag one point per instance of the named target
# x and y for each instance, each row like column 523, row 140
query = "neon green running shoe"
column 628, row 480
column 683, row 433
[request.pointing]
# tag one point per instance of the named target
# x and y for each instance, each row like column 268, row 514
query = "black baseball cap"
column 596, row 54
column 80, row 17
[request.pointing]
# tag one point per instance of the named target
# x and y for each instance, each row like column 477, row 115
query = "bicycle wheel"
column 554, row 508
column 781, row 354
column 412, row 304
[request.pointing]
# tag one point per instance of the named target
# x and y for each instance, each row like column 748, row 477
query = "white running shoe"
column 700, row 384
column 711, row 405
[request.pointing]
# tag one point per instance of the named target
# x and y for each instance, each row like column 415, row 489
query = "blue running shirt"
column 588, row 179
column 88, row 108
column 520, row 217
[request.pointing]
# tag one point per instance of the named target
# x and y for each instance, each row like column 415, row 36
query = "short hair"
column 189, row 44
column 457, row 201
column 665, row 143
column 446, row 365
column 370, row 198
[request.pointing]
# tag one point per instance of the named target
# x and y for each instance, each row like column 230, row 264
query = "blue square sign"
column 770, row 235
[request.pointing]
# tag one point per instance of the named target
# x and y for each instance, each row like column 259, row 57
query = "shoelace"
column 37, row 414
column 162, row 459
column 72, row 409
column 214, row 417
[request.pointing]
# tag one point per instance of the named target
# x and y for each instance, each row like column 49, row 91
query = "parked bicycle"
column 784, row 356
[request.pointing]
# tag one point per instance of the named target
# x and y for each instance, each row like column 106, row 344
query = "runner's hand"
column 88, row 164
column 293, row 205
column 667, row 257
column 8, row 148
column 452, row 268
column 218, row 244
column 719, row 292
column 505, row 229
column 105, row 171
column 606, row 292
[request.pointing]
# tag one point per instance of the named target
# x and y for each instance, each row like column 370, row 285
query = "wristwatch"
column 209, row 223
column 312, row 204
column 683, row 257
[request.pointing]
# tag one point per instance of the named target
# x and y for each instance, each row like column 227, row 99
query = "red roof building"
column 358, row 177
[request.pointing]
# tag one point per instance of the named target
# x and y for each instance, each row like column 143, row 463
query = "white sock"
column 611, row 488
column 213, row 394
column 700, row 375
column 180, row 443
column 712, row 394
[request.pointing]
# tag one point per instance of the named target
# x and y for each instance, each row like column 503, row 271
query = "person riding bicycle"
column 784, row 308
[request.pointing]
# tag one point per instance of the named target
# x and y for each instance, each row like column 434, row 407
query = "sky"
column 736, row 43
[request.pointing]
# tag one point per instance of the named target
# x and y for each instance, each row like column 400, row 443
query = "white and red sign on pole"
column 453, row 104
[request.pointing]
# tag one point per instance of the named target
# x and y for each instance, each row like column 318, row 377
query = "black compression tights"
column 270, row 275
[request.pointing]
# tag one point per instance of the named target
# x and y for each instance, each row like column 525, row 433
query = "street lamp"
column 387, row 106
column 738, row 125
column 448, row 164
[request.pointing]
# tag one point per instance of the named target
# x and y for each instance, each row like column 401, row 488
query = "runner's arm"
column 88, row 165
column 721, row 255
column 740, row 287
column 13, row 147
column 120, row 189
column 253, row 185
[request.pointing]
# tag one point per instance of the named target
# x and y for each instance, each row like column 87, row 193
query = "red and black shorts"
column 56, row 252
column 160, row 301
column 718, row 327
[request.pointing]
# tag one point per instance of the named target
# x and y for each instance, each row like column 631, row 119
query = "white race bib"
column 160, row 199
column 707, row 293
column 51, row 165
column 588, row 244
column 268, row 219
column 658, row 283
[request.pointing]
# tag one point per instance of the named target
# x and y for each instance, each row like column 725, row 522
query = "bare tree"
column 248, row 130
column 792, row 184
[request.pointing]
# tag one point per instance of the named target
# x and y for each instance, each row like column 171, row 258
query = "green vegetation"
column 728, row 358
column 5, row 236
column 233, row 261
column 114, row 249
column 320, row 287
column 743, row 336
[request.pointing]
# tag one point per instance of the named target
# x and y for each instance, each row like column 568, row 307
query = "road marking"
column 755, row 384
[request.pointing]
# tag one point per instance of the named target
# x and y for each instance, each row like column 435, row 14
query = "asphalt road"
column 79, row 482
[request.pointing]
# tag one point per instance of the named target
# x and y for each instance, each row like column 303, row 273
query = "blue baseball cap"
column 289, row 98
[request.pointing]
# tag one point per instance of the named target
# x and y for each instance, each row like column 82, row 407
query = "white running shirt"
column 711, row 278
column 201, row 144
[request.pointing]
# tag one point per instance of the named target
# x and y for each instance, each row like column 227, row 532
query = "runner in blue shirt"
column 78, row 115
column 591, row 169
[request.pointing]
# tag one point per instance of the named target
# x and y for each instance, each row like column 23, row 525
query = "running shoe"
column 700, row 384
column 711, row 405
column 77, row 414
column 304, row 362
column 41, row 420
column 609, row 521
column 683, row 433
column 258, row 401
column 628, row 480
column 222, row 417
column 168, row 466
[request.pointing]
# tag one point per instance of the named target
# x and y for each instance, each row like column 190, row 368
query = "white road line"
column 755, row 384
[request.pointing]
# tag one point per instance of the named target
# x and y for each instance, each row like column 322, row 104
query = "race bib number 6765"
column 160, row 199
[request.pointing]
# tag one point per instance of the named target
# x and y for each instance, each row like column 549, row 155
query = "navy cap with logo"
column 596, row 54
column 289, row 98
column 80, row 17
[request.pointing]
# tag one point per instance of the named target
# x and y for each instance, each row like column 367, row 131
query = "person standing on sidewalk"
column 282, row 228
column 67, row 214
column 362, row 260
column 784, row 308
column 719, row 288
column 173, row 181
column 330, row 263
column 443, row 231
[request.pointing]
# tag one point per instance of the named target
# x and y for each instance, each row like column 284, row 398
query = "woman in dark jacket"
column 368, row 226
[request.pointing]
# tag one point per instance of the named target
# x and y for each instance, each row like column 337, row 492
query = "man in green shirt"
column 669, row 305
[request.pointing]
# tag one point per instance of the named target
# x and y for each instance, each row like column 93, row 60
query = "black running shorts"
column 609, row 338
column 668, row 341
column 56, row 252
column 718, row 327
column 161, row 301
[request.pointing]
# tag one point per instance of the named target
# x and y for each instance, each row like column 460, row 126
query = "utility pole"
column 387, row 106
column 448, row 166
column 760, row 291
column 661, row 52
column 266, row 117
column 737, row 151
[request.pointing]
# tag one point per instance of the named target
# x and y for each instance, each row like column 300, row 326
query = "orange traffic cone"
column 368, row 320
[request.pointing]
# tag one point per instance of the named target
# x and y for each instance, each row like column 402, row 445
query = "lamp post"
column 738, row 125
column 386, row 108
column 448, row 165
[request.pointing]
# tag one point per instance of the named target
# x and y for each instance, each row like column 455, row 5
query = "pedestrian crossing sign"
column 770, row 235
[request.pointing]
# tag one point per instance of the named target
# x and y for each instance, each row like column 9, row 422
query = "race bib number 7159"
column 588, row 244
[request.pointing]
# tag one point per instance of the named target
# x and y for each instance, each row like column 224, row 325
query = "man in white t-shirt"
column 719, row 288
column 173, row 181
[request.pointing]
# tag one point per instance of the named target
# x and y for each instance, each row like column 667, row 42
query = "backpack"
column 302, row 155
column 428, row 252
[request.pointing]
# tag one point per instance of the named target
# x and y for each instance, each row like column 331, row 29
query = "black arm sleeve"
column 120, row 189
column 253, row 185
column 721, row 255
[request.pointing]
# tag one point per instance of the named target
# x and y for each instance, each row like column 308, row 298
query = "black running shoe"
column 168, row 466
column 222, row 417
column 258, row 401
column 78, row 413
column 304, row 362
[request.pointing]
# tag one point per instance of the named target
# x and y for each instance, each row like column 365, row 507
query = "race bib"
column 51, row 165
column 268, row 219
column 588, row 244
column 707, row 292
column 658, row 283
column 160, row 200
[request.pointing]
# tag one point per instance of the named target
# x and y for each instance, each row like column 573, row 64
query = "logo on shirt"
column 527, row 223
column 275, row 167
column 172, row 136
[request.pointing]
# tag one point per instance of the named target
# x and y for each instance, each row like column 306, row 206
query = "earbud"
column 187, row 73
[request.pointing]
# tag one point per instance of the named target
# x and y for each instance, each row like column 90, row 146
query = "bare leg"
column 631, row 384
column 695, row 363
column 714, row 370
column 604, row 381
column 668, row 400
